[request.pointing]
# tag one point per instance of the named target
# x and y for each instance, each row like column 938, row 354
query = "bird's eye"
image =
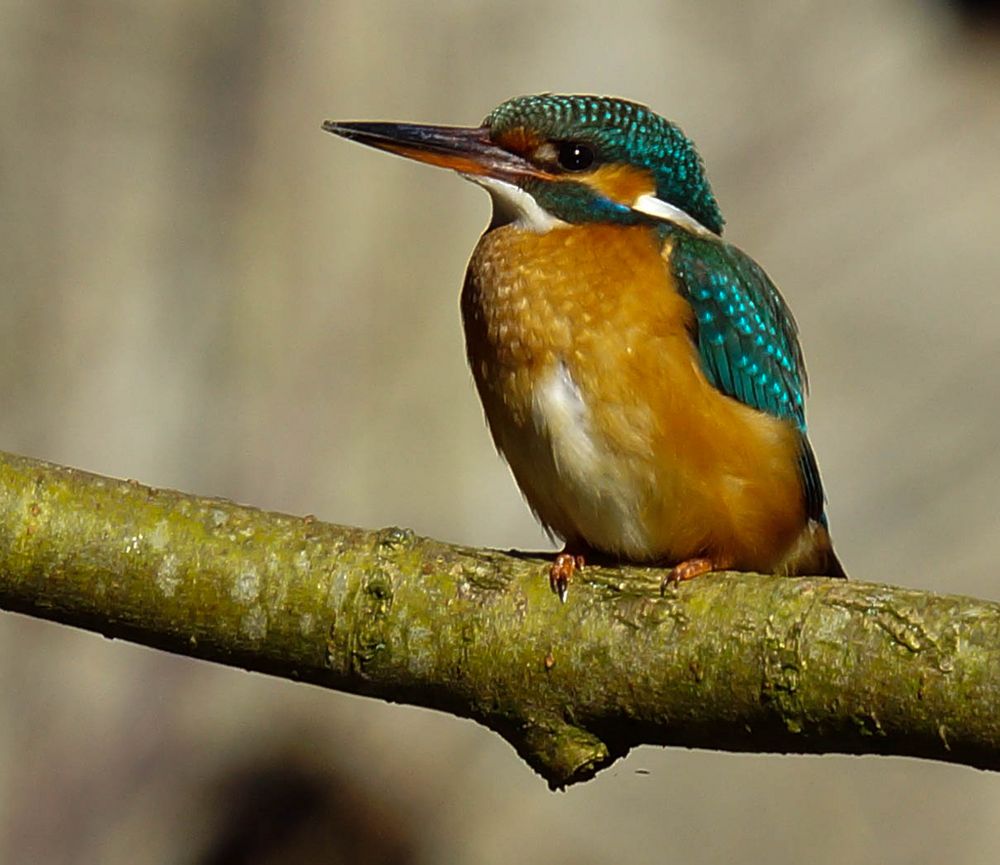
column 574, row 156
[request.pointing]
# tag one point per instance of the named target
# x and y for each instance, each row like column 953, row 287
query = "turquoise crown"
column 620, row 132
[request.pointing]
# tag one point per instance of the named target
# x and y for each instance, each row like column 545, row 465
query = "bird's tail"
column 813, row 554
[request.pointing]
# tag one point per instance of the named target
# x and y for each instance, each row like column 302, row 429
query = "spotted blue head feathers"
column 582, row 134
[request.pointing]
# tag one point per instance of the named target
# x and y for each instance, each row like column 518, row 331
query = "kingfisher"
column 642, row 377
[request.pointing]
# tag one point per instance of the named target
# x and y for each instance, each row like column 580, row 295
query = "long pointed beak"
column 467, row 150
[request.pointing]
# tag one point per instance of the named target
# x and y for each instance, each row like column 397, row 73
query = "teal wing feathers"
column 746, row 335
column 747, row 338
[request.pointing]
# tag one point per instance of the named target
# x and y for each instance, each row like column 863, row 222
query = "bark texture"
column 738, row 662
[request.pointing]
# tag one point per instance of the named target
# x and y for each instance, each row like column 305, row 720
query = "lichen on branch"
column 738, row 662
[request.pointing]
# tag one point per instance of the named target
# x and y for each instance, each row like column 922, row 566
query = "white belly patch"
column 600, row 491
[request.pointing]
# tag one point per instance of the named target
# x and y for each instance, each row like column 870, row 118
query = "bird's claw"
column 685, row 571
column 563, row 568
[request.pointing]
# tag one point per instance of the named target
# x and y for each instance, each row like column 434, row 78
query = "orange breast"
column 581, row 351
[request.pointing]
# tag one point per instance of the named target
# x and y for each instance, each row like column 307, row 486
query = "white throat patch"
column 511, row 204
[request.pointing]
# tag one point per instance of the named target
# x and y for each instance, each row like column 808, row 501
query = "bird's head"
column 572, row 159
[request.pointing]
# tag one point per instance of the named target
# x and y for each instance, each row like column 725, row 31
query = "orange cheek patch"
column 621, row 183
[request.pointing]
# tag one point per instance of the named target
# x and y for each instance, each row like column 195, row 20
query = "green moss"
column 729, row 661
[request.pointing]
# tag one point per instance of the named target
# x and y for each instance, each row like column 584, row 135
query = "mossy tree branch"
column 730, row 661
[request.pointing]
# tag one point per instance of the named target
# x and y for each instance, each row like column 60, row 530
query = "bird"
column 642, row 377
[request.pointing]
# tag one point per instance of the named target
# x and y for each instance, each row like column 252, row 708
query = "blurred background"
column 199, row 289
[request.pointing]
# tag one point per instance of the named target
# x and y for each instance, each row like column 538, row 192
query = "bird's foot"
column 563, row 568
column 688, row 570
